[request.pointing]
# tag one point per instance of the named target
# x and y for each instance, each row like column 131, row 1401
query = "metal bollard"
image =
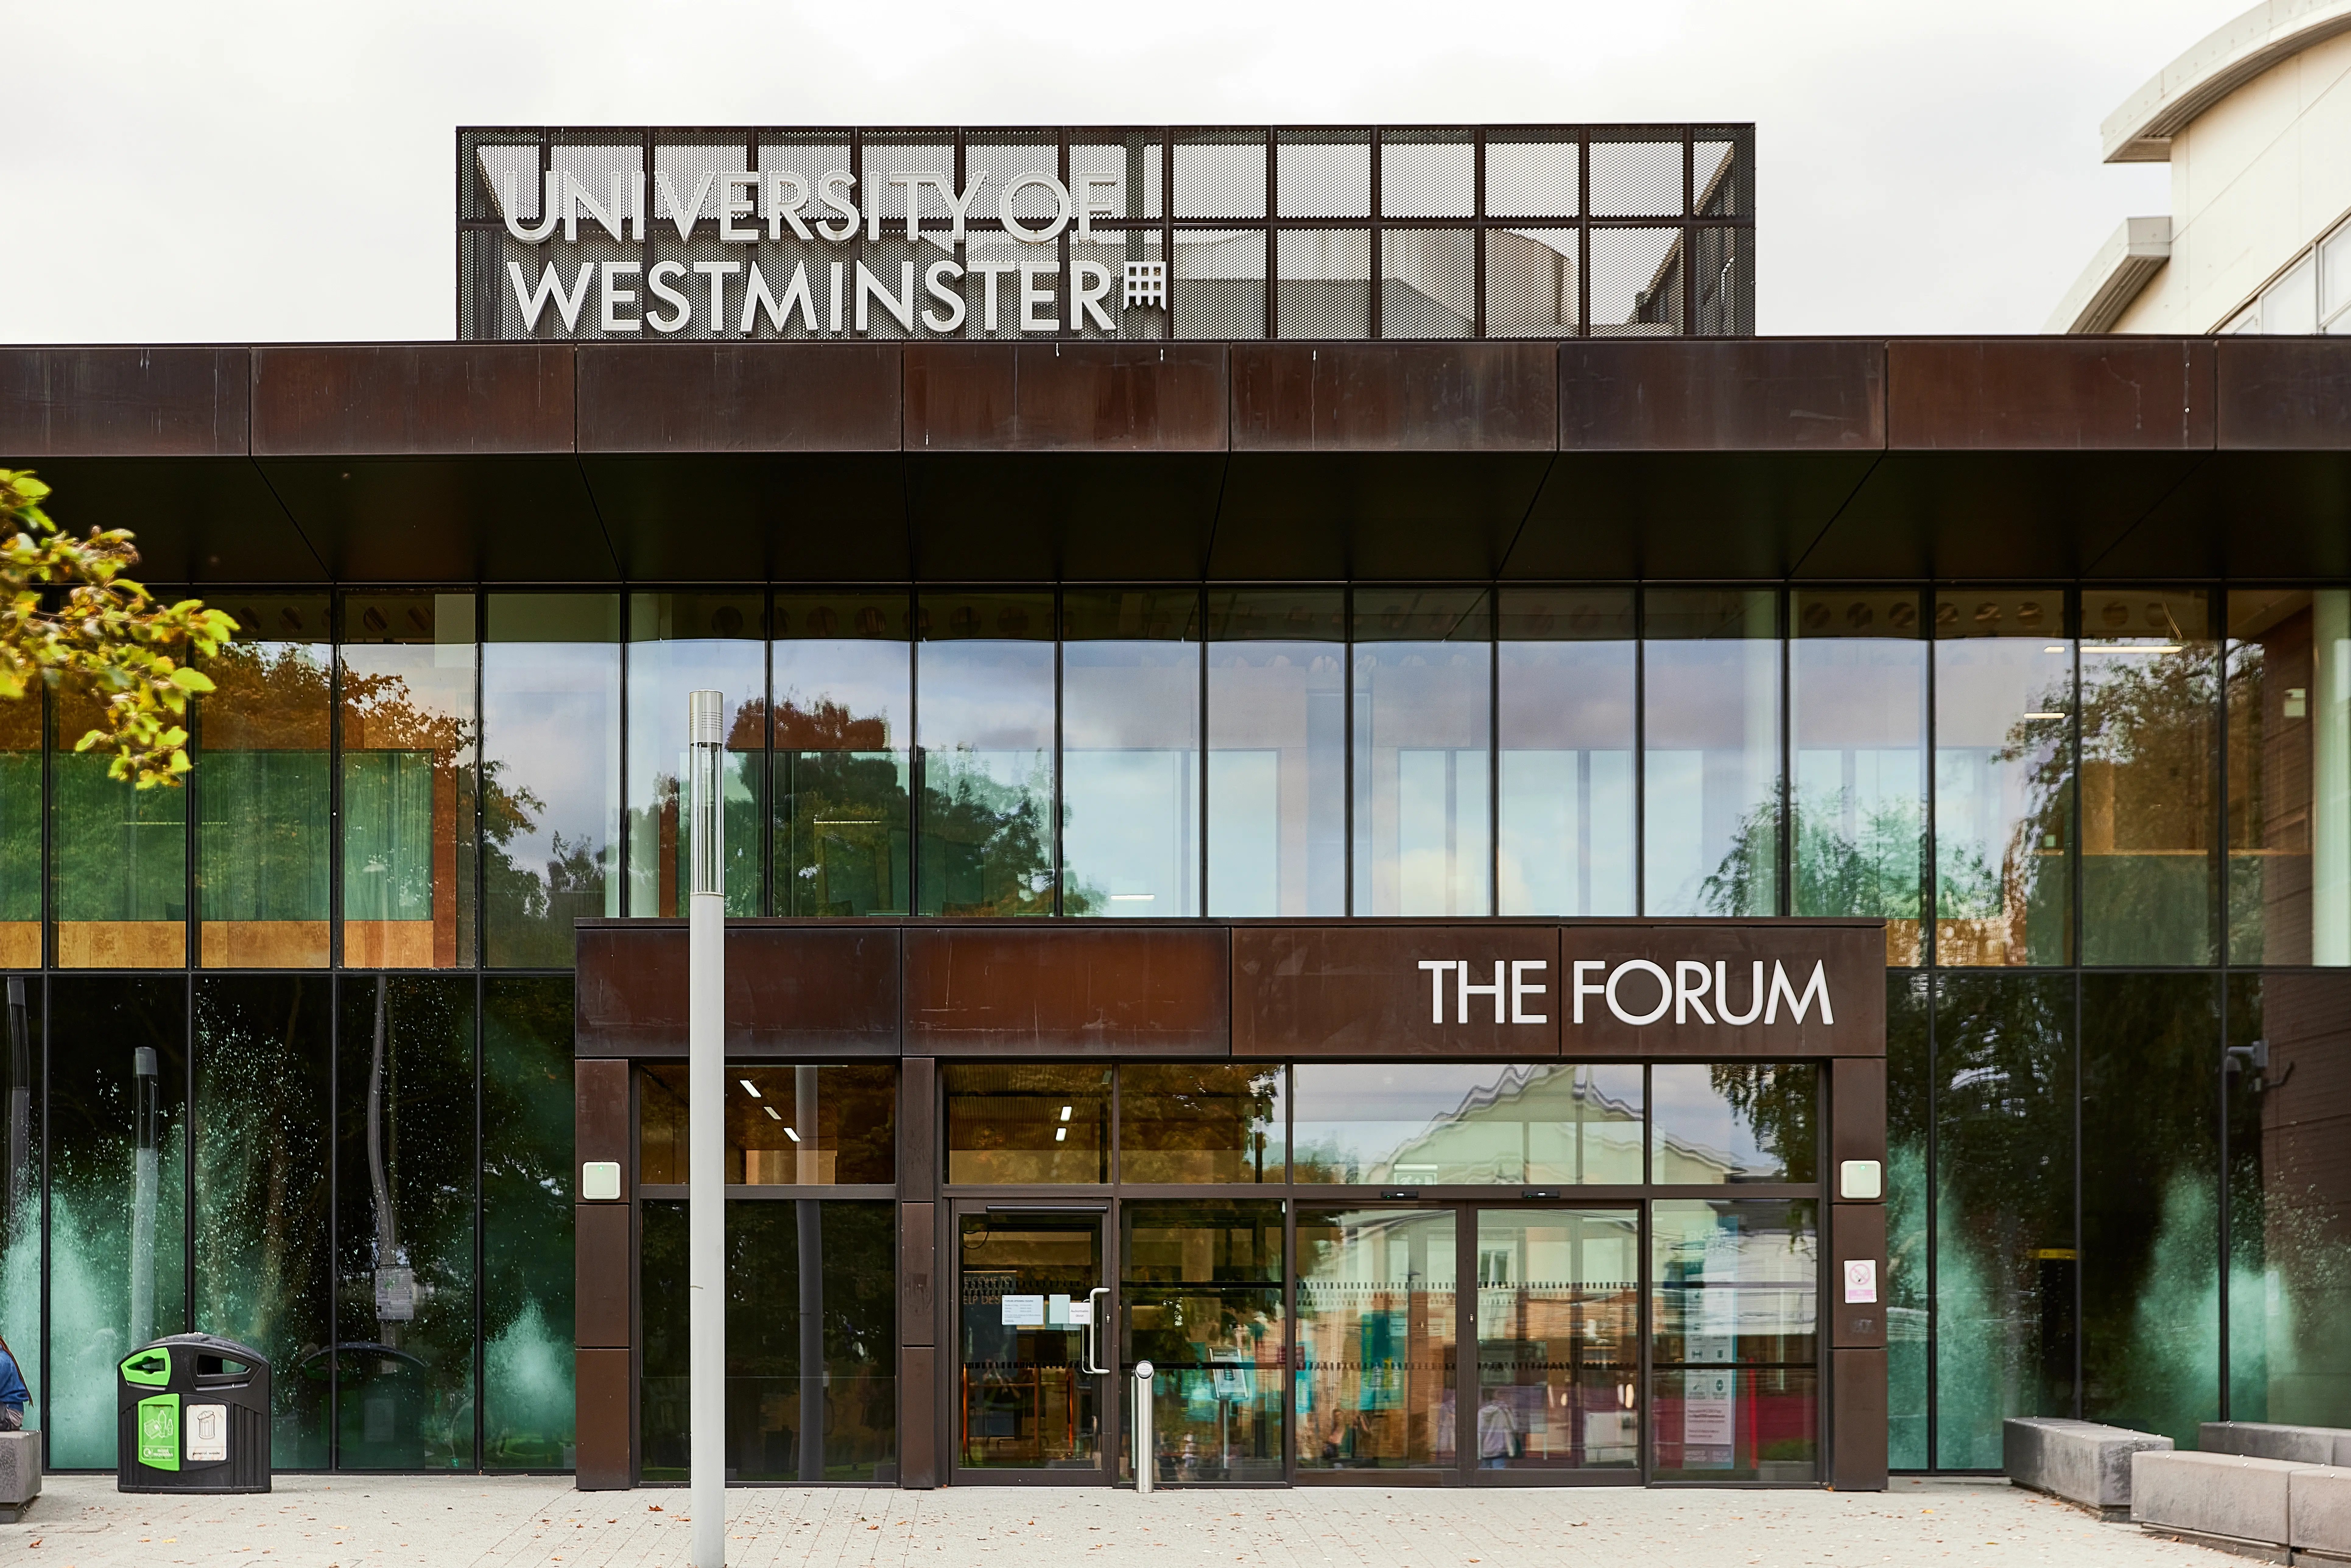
column 1147, row 1462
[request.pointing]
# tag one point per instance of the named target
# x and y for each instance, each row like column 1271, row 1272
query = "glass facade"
column 990, row 703
column 1276, row 817
column 1710, row 752
column 1423, row 707
column 263, row 800
column 1564, row 732
column 842, row 837
column 2109, row 827
column 1913, row 755
column 1130, row 753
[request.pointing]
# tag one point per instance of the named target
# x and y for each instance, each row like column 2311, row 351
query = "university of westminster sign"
column 1225, row 233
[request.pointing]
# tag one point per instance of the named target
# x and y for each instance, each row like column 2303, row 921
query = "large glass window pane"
column 119, row 856
column 118, row 1194
column 1202, row 1294
column 2004, row 778
column 404, row 1164
column 2005, row 1252
column 845, row 733
column 528, row 1181
column 1130, row 753
column 1734, row 1122
column 1907, row 1299
column 1277, row 752
column 2151, row 1202
column 2290, row 775
column 1424, row 704
column 986, row 753
column 1201, row 1122
column 1430, row 1123
column 1858, row 706
column 2150, row 777
column 1376, row 1339
column 20, row 831
column 1565, row 738
column 1028, row 1122
column 22, row 1139
column 550, row 771
column 2289, row 1198
column 786, row 1127
column 811, row 1351
column 408, row 740
column 1735, row 1346
column 679, row 644
column 264, row 1061
column 1711, row 787
column 1559, row 1339
column 261, row 789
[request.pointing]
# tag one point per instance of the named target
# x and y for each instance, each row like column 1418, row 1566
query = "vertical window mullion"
column 1640, row 750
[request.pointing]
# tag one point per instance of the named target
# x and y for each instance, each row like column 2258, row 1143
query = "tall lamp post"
column 706, row 1168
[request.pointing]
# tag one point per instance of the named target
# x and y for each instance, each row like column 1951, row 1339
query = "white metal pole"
column 705, row 1165
column 1146, row 1446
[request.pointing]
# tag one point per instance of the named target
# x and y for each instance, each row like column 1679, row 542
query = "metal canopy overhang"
column 1757, row 460
column 1728, row 516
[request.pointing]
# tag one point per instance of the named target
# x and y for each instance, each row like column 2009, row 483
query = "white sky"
column 272, row 170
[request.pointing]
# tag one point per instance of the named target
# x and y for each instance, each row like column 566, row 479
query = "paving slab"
column 350, row 1522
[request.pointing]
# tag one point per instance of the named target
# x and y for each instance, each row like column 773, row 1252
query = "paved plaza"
column 446, row 1523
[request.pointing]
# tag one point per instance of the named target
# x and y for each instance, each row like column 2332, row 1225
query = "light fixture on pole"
column 706, row 1169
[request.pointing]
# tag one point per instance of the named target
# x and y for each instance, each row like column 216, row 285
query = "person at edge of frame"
column 13, row 1391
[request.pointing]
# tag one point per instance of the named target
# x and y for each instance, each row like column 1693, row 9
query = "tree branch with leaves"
column 68, row 615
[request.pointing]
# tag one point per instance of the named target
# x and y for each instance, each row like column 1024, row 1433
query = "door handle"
column 1093, row 1329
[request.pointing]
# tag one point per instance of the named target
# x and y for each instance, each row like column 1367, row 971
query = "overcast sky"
column 239, row 171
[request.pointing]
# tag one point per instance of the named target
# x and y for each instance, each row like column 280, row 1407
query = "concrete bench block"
column 2080, row 1461
column 20, row 1473
column 2225, row 1495
column 2276, row 1440
column 2318, row 1511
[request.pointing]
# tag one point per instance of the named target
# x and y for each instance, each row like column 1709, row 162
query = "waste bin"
column 193, row 1417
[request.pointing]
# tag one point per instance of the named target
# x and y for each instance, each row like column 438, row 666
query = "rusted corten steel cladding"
column 1759, row 458
column 921, row 991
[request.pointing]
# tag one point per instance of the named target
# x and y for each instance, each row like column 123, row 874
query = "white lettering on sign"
column 1860, row 1281
column 1510, row 987
column 1033, row 209
column 1686, row 991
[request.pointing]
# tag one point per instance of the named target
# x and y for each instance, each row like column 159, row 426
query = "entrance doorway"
column 1491, row 1344
column 1034, row 1395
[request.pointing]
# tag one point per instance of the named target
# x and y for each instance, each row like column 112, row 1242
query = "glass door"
column 1558, row 1327
column 1032, row 1391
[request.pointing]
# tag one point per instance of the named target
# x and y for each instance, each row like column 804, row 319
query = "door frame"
column 1464, row 1470
column 1466, row 1378
column 1110, row 1402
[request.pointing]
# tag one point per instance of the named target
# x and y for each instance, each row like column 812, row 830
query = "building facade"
column 2254, row 120
column 1782, row 900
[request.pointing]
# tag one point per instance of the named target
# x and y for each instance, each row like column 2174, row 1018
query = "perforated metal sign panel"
column 1013, row 233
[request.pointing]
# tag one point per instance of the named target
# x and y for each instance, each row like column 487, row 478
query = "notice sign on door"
column 1024, row 1311
column 208, row 1434
column 1860, row 1281
column 1707, row 1406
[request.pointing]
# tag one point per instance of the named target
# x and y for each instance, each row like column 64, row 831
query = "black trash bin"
column 193, row 1417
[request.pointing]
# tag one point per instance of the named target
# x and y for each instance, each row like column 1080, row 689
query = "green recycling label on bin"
column 159, row 1432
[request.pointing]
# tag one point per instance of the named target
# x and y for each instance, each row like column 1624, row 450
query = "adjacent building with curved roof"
column 2255, row 121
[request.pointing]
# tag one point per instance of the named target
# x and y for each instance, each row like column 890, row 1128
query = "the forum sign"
column 1704, row 989
column 1219, row 233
